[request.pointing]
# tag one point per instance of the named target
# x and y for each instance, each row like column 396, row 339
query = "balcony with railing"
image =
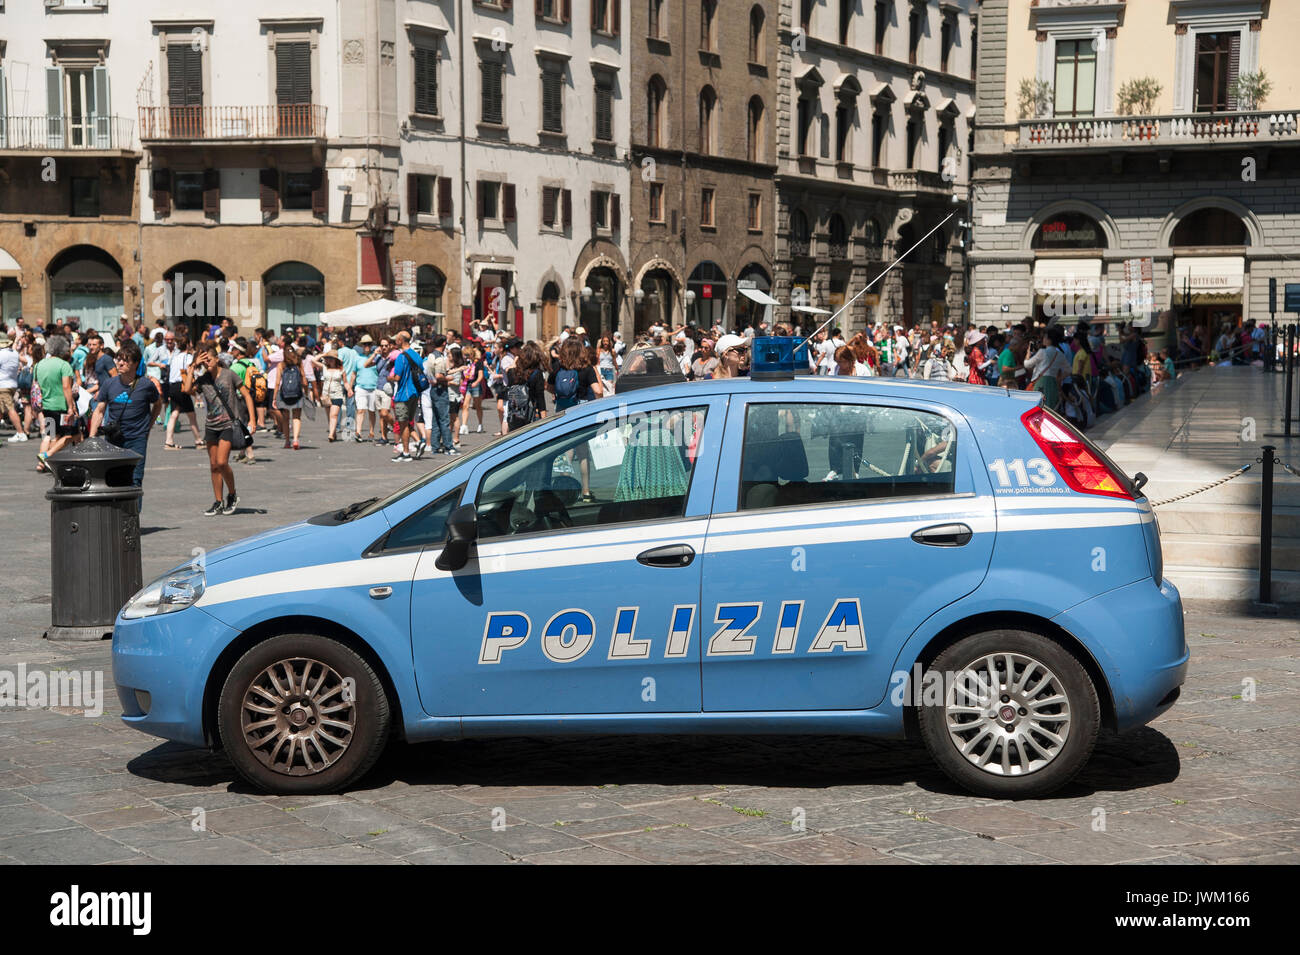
column 54, row 134
column 918, row 180
column 1180, row 129
column 231, row 123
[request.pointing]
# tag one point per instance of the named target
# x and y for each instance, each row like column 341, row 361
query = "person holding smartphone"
column 220, row 391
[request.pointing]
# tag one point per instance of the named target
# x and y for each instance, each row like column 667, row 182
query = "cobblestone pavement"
column 1217, row 779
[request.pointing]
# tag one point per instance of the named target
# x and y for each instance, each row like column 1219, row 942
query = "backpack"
column 25, row 380
column 566, row 388
column 421, row 380
column 520, row 409
column 256, row 380
column 291, row 384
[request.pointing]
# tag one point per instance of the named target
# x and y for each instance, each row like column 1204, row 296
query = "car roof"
column 958, row 394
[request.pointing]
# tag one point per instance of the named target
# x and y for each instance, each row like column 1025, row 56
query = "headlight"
column 172, row 591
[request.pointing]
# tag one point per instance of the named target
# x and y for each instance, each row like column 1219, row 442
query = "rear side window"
column 800, row 453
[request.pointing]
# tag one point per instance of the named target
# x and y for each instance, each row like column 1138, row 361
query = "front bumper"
column 168, row 657
column 1135, row 633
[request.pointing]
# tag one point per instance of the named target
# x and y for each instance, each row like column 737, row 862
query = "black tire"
column 1025, row 780
column 316, row 762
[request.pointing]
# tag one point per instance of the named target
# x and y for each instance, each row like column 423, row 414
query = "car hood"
column 247, row 545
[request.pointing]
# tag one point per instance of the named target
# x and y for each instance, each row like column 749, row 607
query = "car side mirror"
column 462, row 531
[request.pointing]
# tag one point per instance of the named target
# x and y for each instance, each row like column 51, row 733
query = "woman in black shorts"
column 221, row 392
column 182, row 401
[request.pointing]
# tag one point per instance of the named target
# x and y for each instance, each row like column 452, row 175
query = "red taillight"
column 1084, row 468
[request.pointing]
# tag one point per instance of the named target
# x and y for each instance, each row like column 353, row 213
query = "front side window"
column 634, row 468
column 810, row 453
column 427, row 527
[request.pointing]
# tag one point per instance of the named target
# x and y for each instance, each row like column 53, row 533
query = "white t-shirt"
column 9, row 364
column 179, row 362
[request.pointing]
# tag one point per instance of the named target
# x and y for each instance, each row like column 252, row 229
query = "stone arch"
column 657, row 263
column 1253, row 227
column 1070, row 205
column 550, row 275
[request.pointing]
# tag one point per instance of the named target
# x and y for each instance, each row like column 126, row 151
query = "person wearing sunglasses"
column 733, row 357
column 126, row 406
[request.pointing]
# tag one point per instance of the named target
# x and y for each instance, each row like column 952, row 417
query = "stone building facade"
column 1173, row 210
column 875, row 106
column 703, row 140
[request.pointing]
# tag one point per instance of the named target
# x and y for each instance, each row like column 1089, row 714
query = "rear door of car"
column 841, row 521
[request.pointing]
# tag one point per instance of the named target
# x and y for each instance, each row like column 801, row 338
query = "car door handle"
column 943, row 535
column 670, row 555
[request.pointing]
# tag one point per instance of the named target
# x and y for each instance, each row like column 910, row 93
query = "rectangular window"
column 656, row 202
column 654, row 27
column 604, row 107
column 1218, row 56
column 424, row 60
column 292, row 73
column 755, row 217
column 809, row 454
column 708, row 17
column 879, row 124
column 846, row 20
column 805, row 125
column 882, row 24
column 599, row 210
column 913, row 36
column 85, row 196
column 184, row 75
column 492, row 112
column 424, row 195
column 605, row 16
column 843, row 125
column 553, row 98
column 945, row 42
column 636, row 471
column 297, row 190
column 1076, row 77
column 550, row 206
column 187, row 190
column 706, row 207
column 913, row 142
column 488, row 204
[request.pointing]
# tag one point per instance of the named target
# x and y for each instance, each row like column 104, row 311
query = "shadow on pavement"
column 1135, row 760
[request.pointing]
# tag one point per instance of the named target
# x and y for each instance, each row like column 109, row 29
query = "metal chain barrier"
column 1223, row 480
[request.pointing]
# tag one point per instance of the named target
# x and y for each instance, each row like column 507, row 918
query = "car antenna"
column 879, row 277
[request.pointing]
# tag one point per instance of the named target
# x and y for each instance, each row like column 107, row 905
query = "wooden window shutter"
column 566, row 209
column 1234, row 65
column 615, row 16
column 482, row 199
column 614, row 211
column 412, row 196
column 269, row 190
column 319, row 192
column 548, row 206
column 212, row 193
column 426, row 80
column 444, row 197
column 508, row 202
column 564, row 11
column 292, row 73
column 162, row 192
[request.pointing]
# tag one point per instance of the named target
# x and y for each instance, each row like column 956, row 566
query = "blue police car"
column 773, row 554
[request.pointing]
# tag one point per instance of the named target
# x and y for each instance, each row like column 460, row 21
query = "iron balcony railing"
column 1167, row 130
column 58, row 133
column 293, row 121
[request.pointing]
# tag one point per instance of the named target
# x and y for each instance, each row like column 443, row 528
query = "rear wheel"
column 1012, row 714
column 301, row 713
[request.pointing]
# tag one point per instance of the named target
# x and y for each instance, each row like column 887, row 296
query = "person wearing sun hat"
column 733, row 356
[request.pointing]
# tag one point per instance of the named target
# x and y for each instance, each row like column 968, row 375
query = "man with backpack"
column 436, row 400
column 407, row 374
column 247, row 373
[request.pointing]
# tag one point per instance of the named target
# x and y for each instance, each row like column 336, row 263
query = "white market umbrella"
column 379, row 312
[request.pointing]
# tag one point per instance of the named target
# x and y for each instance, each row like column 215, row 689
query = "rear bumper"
column 1135, row 634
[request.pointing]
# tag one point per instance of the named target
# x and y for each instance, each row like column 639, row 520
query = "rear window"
column 798, row 453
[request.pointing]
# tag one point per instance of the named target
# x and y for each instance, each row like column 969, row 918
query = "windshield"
column 378, row 504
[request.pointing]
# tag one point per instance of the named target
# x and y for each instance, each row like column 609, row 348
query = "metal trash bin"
column 94, row 538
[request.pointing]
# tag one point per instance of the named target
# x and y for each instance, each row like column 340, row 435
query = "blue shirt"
column 131, row 408
column 367, row 376
column 350, row 361
column 406, row 366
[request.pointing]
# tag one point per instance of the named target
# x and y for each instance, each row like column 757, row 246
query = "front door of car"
column 839, row 526
column 580, row 595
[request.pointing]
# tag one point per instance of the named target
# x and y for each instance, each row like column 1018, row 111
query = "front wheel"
column 301, row 713
column 1009, row 714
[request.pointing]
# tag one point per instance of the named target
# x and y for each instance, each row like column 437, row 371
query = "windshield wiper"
column 351, row 509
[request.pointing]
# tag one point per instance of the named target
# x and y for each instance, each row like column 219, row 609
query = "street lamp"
column 690, row 297
column 639, row 295
column 586, row 292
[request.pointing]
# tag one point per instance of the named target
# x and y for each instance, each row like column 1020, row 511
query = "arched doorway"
column 1209, row 280
column 295, row 295
column 86, row 284
column 753, row 285
column 193, row 294
column 598, row 312
column 430, row 283
column 1068, row 267
column 550, row 328
column 654, row 305
column 706, row 294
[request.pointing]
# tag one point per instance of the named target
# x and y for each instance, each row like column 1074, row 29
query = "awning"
column 1213, row 279
column 762, row 298
column 1067, row 277
column 9, row 266
column 379, row 312
column 478, row 268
